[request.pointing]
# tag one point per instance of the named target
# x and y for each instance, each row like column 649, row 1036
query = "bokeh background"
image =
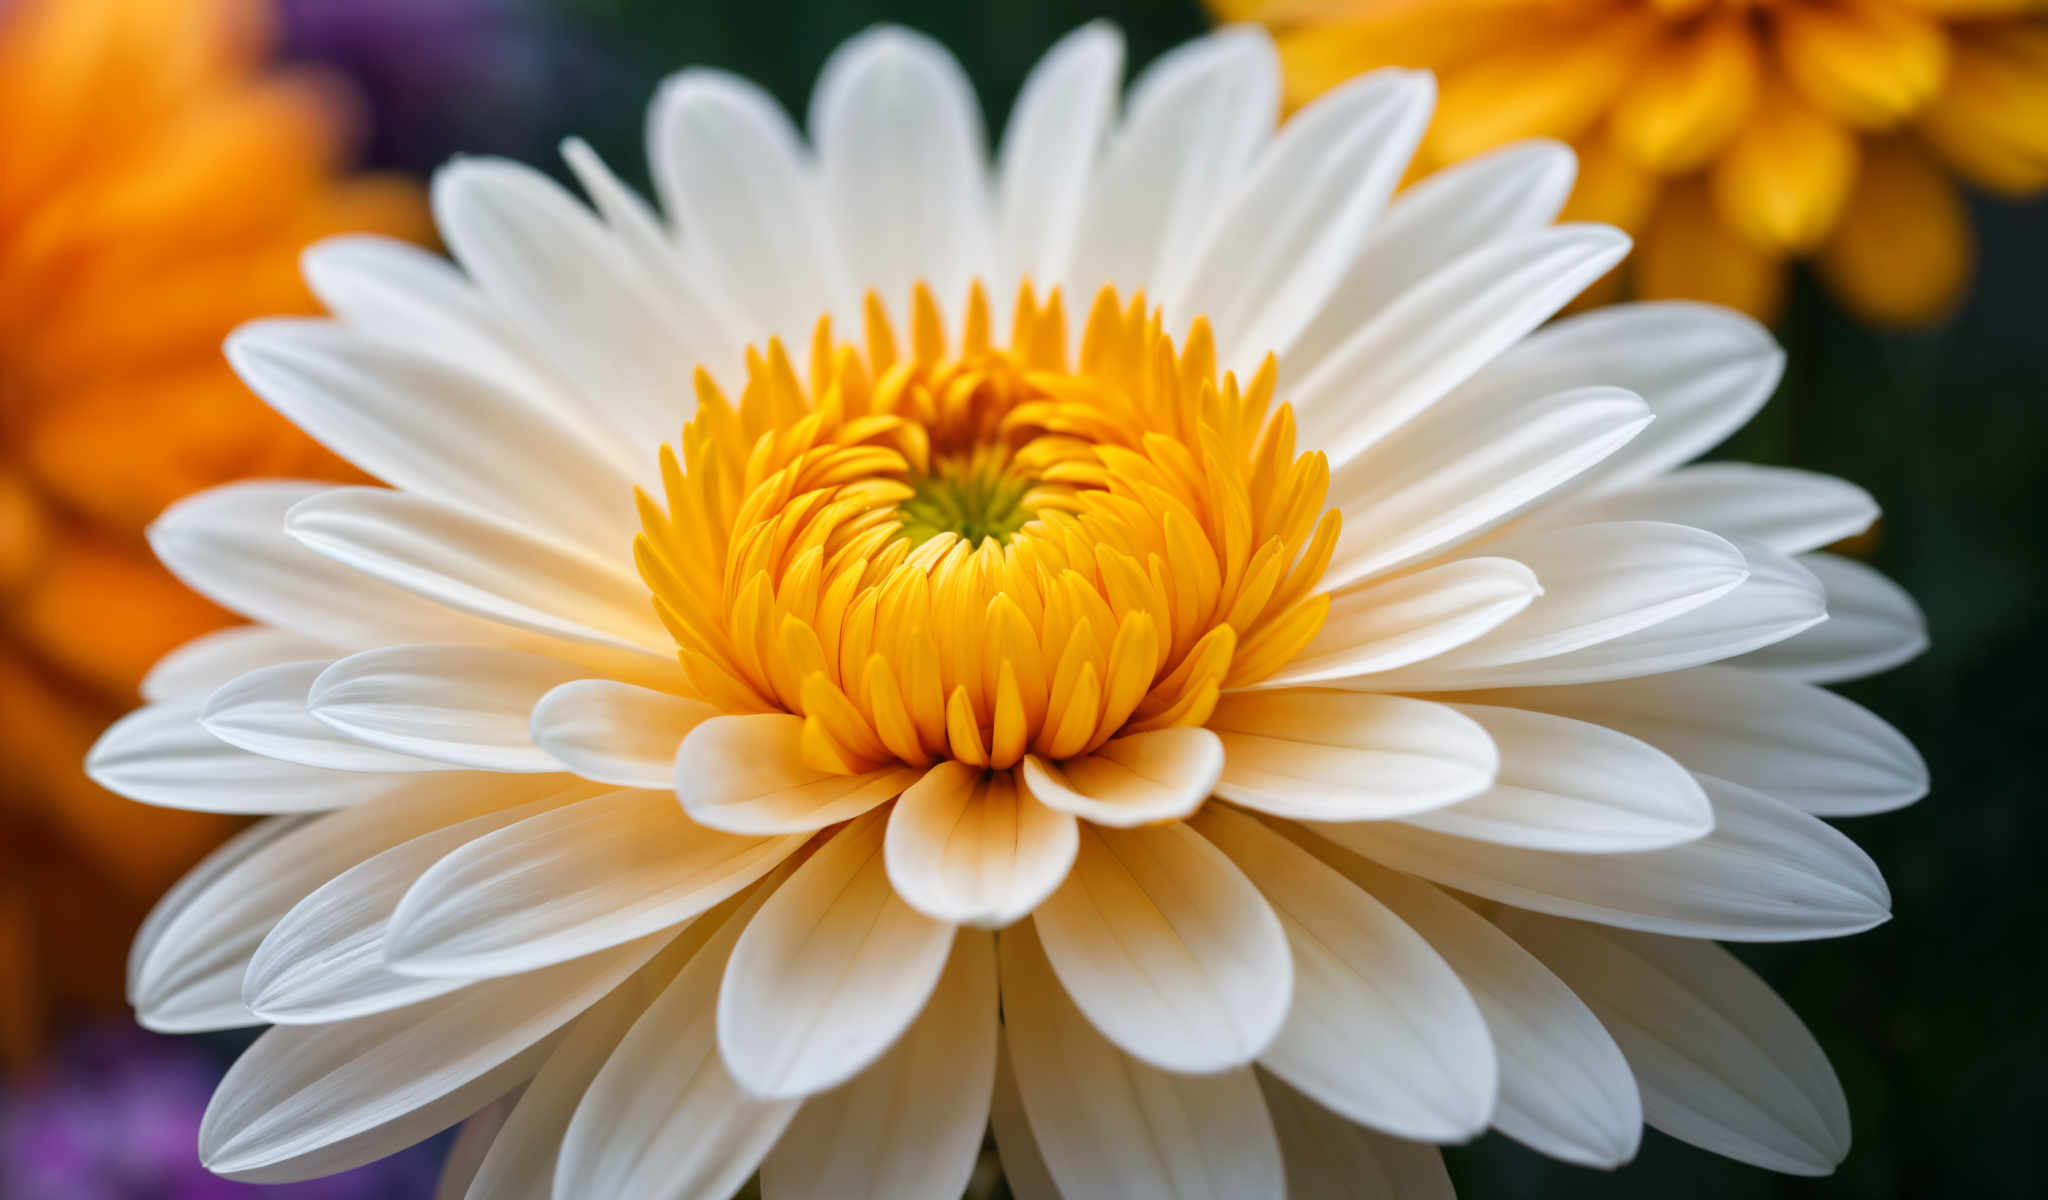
column 1934, row 1021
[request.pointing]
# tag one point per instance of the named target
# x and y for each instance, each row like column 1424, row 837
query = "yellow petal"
column 1553, row 83
column 1689, row 253
column 1613, row 188
column 1785, row 176
column 1991, row 121
column 1691, row 95
column 24, row 532
column 1901, row 254
column 1867, row 64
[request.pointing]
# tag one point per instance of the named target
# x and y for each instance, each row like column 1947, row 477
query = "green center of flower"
column 978, row 495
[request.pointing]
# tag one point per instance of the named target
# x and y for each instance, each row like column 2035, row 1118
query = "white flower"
column 694, row 817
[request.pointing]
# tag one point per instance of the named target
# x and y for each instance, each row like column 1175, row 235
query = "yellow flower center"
column 959, row 550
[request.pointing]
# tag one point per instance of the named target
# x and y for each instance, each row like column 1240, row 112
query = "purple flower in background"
column 441, row 76
column 115, row 1116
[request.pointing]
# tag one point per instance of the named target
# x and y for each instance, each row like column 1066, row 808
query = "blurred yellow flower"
column 1729, row 136
column 157, row 180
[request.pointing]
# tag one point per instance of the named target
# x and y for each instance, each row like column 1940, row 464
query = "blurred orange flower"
column 1729, row 136
column 157, row 181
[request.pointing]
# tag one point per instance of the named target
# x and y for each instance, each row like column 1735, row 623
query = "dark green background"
column 1934, row 1020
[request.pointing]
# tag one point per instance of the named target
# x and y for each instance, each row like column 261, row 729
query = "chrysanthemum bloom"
column 156, row 184
column 1248, row 721
column 1731, row 136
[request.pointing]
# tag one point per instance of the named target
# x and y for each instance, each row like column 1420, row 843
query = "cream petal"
column 732, row 170
column 1438, row 482
column 1050, row 145
column 186, row 968
column 1110, row 1125
column 431, row 427
column 1436, row 334
column 1380, row 1030
column 195, row 669
column 1340, row 756
column 1194, row 122
column 324, row 959
column 467, row 705
column 306, row 1101
column 466, row 1152
column 901, row 165
column 1138, row 779
column 1704, row 370
column 1574, row 786
column 1442, row 216
column 160, row 754
column 911, row 1125
column 1723, row 1062
column 264, row 712
column 1565, row 1088
column 499, row 572
column 1410, row 618
column 830, row 973
column 566, row 284
column 1767, row 873
column 664, row 1119
column 1168, row 948
column 1872, row 626
column 1329, row 1158
column 1024, row 1169
column 570, row 880
column 1806, row 746
column 747, row 775
column 1297, row 222
column 1788, row 510
column 615, row 732
column 972, row 847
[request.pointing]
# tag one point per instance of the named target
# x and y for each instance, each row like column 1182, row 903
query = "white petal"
column 615, row 732
column 973, row 848
column 1339, row 756
column 264, row 712
column 1380, row 1030
column 186, row 969
column 466, row 1152
column 1723, row 1062
column 902, row 166
column 549, row 265
column 473, row 564
column 664, row 1119
column 160, row 754
column 570, row 880
column 1703, row 369
column 1808, row 747
column 324, row 960
column 1444, row 215
column 1788, row 510
column 1195, row 120
column 911, row 1125
column 1575, row 786
column 1441, row 331
column 467, row 705
column 314, row 1100
column 1872, row 626
column 1298, row 220
column 1767, row 873
column 830, row 973
column 1437, row 482
column 1565, row 1088
column 1055, row 131
column 1329, row 1158
column 1779, row 599
column 195, row 669
column 1137, row 779
column 747, row 775
column 1110, row 1125
column 1410, row 618
column 433, row 428
column 1024, row 1169
column 1599, row 583
column 1168, row 948
column 733, row 172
